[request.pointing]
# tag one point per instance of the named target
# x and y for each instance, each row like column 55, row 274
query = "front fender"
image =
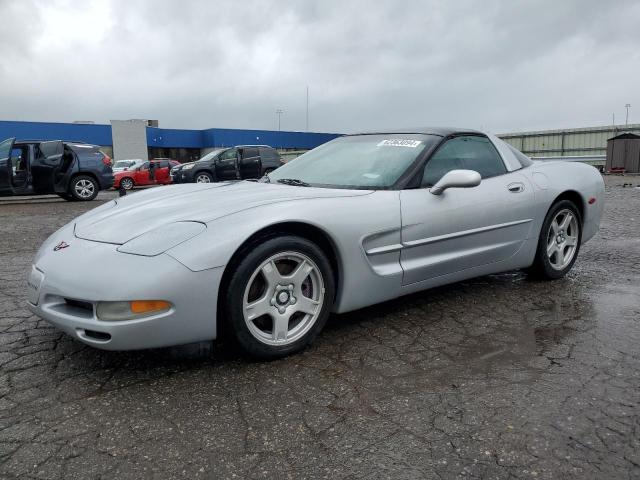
column 352, row 224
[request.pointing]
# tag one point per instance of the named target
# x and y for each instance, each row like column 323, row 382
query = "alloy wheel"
column 283, row 298
column 84, row 188
column 562, row 239
column 203, row 178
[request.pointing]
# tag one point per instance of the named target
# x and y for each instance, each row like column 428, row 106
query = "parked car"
column 237, row 163
column 152, row 172
column 359, row 220
column 73, row 170
column 128, row 164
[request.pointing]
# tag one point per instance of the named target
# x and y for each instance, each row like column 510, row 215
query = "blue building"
column 183, row 145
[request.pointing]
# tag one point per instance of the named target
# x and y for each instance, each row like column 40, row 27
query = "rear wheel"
column 84, row 188
column 279, row 296
column 127, row 183
column 559, row 241
column 203, row 177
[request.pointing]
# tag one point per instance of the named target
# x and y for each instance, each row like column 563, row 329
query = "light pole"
column 627, row 106
column 279, row 112
column 307, row 129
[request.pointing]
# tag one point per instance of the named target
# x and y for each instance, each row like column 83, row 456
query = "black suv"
column 237, row 163
column 73, row 170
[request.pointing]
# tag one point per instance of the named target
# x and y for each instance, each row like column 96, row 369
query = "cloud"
column 503, row 66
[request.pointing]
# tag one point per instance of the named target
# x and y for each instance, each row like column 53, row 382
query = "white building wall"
column 569, row 142
column 129, row 139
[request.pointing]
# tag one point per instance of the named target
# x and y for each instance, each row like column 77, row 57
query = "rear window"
column 78, row 147
column 249, row 152
column 268, row 153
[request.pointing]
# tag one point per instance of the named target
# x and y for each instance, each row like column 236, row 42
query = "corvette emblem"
column 60, row 246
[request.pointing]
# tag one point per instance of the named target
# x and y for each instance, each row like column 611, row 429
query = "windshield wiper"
column 294, row 182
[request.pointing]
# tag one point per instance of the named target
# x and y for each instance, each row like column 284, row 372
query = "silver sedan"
column 359, row 220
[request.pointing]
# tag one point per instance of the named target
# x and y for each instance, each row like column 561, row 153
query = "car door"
column 249, row 164
column 46, row 165
column 141, row 176
column 463, row 227
column 6, row 170
column 162, row 171
column 270, row 159
column 226, row 165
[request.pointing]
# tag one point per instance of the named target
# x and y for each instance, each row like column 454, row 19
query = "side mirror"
column 456, row 179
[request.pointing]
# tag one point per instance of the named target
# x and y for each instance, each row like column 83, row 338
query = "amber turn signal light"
column 149, row 306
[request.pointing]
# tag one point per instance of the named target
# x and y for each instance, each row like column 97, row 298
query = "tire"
column 268, row 171
column 559, row 241
column 127, row 183
column 203, row 177
column 301, row 298
column 84, row 188
column 67, row 196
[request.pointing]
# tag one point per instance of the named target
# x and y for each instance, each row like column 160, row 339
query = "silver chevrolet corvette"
column 359, row 220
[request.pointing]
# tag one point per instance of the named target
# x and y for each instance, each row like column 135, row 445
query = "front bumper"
column 65, row 286
column 182, row 176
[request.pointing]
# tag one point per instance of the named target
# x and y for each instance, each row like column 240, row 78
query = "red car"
column 153, row 172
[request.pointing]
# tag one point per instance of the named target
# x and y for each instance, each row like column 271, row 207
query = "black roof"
column 440, row 131
column 67, row 142
column 624, row 136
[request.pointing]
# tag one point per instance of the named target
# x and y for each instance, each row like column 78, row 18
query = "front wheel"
column 203, row 177
column 279, row 297
column 84, row 188
column 559, row 241
column 126, row 183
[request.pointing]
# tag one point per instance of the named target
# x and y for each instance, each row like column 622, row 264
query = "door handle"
column 516, row 187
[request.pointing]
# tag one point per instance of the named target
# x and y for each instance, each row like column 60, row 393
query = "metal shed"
column 623, row 153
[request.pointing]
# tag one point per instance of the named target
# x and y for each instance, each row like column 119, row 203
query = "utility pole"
column 279, row 112
column 627, row 106
column 307, row 108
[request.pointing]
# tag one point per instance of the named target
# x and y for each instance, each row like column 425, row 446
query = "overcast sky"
column 499, row 65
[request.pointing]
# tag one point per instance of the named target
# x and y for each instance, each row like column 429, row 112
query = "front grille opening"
column 102, row 336
column 79, row 304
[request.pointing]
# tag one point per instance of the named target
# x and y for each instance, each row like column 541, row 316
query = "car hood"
column 132, row 215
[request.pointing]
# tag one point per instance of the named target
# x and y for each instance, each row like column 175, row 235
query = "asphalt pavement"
column 497, row 377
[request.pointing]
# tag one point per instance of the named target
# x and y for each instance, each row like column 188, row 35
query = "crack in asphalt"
column 495, row 377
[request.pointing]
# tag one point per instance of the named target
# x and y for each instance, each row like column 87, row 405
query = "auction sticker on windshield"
column 399, row 142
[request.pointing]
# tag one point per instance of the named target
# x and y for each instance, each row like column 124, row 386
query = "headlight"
column 188, row 167
column 161, row 239
column 115, row 311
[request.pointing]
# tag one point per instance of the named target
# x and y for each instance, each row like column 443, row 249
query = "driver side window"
column 229, row 154
column 464, row 152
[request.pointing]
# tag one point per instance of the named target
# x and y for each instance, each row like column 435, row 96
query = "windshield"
column 359, row 161
column 124, row 163
column 210, row 155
